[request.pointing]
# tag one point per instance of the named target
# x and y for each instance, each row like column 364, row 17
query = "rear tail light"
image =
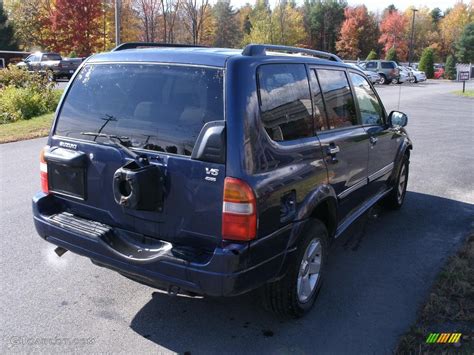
column 44, row 172
column 239, row 211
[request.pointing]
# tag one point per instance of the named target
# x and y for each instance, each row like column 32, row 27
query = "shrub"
column 24, row 95
column 372, row 55
column 427, row 62
column 21, row 78
column 450, row 72
column 391, row 55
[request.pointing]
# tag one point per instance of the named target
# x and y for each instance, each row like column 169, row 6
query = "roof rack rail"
column 260, row 49
column 134, row 45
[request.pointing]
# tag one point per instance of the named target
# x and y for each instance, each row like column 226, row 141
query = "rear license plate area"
column 67, row 180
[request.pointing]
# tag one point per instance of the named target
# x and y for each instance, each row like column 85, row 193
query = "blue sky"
column 375, row 5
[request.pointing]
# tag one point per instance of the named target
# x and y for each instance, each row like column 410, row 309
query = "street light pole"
column 118, row 7
column 410, row 55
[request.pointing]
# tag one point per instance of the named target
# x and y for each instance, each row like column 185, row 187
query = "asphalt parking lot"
column 378, row 273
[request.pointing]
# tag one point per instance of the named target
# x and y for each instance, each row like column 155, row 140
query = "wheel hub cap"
column 310, row 266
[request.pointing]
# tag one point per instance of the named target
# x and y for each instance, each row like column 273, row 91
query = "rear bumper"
column 232, row 269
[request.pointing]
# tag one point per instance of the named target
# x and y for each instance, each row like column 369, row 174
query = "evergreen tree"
column 427, row 62
column 372, row 55
column 465, row 45
column 227, row 27
column 450, row 72
column 391, row 55
column 7, row 38
column 325, row 20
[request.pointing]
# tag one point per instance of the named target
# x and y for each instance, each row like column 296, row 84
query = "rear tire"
column 294, row 294
column 383, row 80
column 396, row 197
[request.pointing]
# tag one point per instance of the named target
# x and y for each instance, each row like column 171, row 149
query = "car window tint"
column 371, row 65
column 337, row 95
column 371, row 111
column 51, row 57
column 318, row 105
column 285, row 102
column 155, row 107
column 388, row 65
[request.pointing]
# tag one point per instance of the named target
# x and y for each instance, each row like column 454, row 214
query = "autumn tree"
column 261, row 24
column 358, row 33
column 452, row 25
column 393, row 33
column 77, row 26
column 31, row 21
column 227, row 26
column 196, row 13
column 243, row 15
column 465, row 45
column 425, row 33
column 287, row 24
column 325, row 21
column 169, row 15
column 149, row 12
column 7, row 39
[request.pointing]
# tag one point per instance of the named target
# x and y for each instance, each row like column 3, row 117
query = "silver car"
column 372, row 76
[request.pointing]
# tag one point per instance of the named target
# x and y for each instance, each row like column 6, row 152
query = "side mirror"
column 397, row 119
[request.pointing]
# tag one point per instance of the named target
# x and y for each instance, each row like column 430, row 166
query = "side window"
column 371, row 111
column 318, row 105
column 285, row 101
column 388, row 65
column 371, row 65
column 337, row 95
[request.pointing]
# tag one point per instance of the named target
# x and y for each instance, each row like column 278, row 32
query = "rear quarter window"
column 285, row 102
column 154, row 107
column 388, row 65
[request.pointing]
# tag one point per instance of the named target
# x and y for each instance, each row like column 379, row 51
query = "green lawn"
column 26, row 129
column 467, row 93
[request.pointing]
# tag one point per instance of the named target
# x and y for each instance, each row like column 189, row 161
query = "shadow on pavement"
column 370, row 297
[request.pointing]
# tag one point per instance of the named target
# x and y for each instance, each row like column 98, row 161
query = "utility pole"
column 410, row 55
column 118, row 7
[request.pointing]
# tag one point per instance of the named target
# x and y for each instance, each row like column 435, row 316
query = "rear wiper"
column 118, row 142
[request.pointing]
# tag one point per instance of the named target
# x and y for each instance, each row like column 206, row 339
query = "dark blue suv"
column 217, row 171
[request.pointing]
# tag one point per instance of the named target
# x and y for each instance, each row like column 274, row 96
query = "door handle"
column 373, row 140
column 333, row 150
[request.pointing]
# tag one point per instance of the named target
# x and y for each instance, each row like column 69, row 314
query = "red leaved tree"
column 358, row 33
column 393, row 30
column 76, row 26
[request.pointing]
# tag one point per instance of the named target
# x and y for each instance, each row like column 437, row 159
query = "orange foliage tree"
column 393, row 29
column 358, row 33
column 77, row 26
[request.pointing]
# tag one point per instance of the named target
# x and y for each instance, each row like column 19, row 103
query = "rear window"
column 388, row 65
column 51, row 57
column 155, row 107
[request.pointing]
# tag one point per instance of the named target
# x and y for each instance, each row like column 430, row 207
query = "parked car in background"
column 418, row 76
column 386, row 69
column 405, row 76
column 373, row 77
column 214, row 171
column 51, row 64
column 439, row 73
